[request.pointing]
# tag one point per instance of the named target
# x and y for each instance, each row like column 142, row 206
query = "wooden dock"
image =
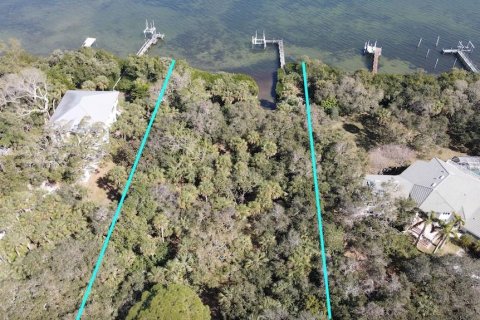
column 151, row 38
column 148, row 43
column 263, row 42
column 464, row 58
column 281, row 51
column 376, row 57
column 372, row 49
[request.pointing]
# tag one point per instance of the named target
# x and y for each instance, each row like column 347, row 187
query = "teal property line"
column 124, row 193
column 317, row 192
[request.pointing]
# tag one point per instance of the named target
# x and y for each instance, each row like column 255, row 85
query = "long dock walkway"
column 281, row 51
column 148, row 43
column 372, row 49
column 465, row 59
column 263, row 42
column 151, row 38
column 376, row 57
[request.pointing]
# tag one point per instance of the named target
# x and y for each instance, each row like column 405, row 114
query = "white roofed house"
column 86, row 114
column 78, row 105
column 444, row 188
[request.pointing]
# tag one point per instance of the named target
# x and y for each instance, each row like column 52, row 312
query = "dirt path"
column 95, row 193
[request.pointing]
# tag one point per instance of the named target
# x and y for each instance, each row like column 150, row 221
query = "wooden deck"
column 372, row 50
column 282, row 54
column 467, row 62
column 88, row 42
column 465, row 59
column 263, row 42
column 151, row 37
column 281, row 51
column 376, row 58
column 148, row 43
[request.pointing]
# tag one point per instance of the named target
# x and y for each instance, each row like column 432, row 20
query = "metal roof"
column 98, row 106
column 89, row 42
column 442, row 187
column 426, row 174
column 453, row 189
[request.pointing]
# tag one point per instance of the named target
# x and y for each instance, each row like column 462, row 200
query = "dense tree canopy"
column 221, row 213
column 175, row 302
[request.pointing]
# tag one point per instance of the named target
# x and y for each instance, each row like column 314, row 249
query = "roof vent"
column 433, row 184
column 441, row 177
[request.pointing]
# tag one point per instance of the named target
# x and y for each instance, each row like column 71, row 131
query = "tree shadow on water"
column 267, row 104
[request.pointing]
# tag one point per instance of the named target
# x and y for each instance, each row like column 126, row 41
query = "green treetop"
column 173, row 302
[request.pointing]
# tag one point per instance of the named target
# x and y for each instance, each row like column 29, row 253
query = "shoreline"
column 263, row 72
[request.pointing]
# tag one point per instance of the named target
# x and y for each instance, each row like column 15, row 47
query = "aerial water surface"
column 215, row 34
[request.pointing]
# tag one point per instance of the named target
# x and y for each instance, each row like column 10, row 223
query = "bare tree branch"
column 26, row 91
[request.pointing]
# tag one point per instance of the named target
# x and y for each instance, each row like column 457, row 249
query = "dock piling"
column 419, row 43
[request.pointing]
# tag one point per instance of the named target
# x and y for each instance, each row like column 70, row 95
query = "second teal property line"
column 124, row 193
column 317, row 191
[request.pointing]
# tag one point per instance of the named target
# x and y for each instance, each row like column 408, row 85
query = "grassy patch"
column 449, row 248
column 210, row 78
column 97, row 194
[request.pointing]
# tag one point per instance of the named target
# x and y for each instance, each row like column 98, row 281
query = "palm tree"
column 422, row 215
column 428, row 220
column 448, row 230
column 161, row 223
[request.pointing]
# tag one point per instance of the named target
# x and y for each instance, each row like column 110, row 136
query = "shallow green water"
column 215, row 34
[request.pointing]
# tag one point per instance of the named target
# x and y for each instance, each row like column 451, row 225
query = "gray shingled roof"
column 426, row 174
column 98, row 106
